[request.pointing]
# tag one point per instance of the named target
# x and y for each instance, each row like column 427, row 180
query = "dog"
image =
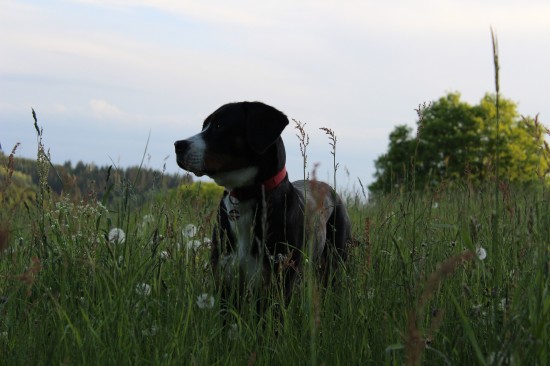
column 267, row 227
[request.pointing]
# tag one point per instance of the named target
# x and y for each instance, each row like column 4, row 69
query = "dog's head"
column 239, row 144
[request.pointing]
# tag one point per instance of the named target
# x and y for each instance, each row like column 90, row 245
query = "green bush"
column 207, row 193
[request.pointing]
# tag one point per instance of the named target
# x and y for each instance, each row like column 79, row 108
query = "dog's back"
column 326, row 219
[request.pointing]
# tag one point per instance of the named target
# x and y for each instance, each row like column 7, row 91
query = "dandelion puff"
column 502, row 304
column 164, row 255
column 147, row 219
column 150, row 331
column 233, row 331
column 194, row 244
column 189, row 231
column 481, row 253
column 205, row 301
column 370, row 293
column 116, row 236
column 143, row 289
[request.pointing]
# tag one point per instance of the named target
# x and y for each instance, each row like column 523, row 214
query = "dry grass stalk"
column 29, row 276
column 368, row 243
column 4, row 238
column 5, row 201
column 416, row 341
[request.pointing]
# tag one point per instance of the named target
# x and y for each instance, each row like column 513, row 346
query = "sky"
column 118, row 81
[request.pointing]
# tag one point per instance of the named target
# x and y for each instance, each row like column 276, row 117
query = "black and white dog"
column 265, row 223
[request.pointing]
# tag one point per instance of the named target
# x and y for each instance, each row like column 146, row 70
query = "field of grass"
column 449, row 276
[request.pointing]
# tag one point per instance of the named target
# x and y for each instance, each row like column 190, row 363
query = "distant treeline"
column 85, row 180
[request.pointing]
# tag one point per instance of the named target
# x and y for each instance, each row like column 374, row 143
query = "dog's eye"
column 218, row 125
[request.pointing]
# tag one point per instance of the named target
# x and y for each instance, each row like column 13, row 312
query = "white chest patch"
column 236, row 178
column 241, row 261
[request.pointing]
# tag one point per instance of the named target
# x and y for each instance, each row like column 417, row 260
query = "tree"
column 455, row 140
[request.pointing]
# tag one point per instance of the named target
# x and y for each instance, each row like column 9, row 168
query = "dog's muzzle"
column 182, row 147
column 188, row 158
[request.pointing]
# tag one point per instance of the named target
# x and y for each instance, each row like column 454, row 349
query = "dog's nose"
column 181, row 145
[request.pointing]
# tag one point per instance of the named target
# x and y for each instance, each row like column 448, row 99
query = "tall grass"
column 425, row 283
column 418, row 293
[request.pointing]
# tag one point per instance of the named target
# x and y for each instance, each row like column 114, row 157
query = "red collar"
column 252, row 191
column 273, row 182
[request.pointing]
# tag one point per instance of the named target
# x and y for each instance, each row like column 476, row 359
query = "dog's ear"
column 264, row 125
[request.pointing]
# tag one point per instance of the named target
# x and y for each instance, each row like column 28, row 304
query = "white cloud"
column 60, row 108
column 102, row 109
column 215, row 12
column 392, row 16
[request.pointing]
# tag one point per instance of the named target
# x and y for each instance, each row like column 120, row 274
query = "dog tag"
column 233, row 215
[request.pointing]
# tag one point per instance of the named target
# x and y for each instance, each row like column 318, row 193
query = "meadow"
column 454, row 275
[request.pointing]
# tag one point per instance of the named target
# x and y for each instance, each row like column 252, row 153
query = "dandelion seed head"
column 233, row 331
column 503, row 303
column 143, row 289
column 205, row 301
column 194, row 244
column 481, row 253
column 117, row 236
column 150, row 331
column 189, row 231
column 147, row 219
column 370, row 293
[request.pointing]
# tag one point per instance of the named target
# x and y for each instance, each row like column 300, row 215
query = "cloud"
column 220, row 12
column 103, row 110
column 60, row 108
column 394, row 16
